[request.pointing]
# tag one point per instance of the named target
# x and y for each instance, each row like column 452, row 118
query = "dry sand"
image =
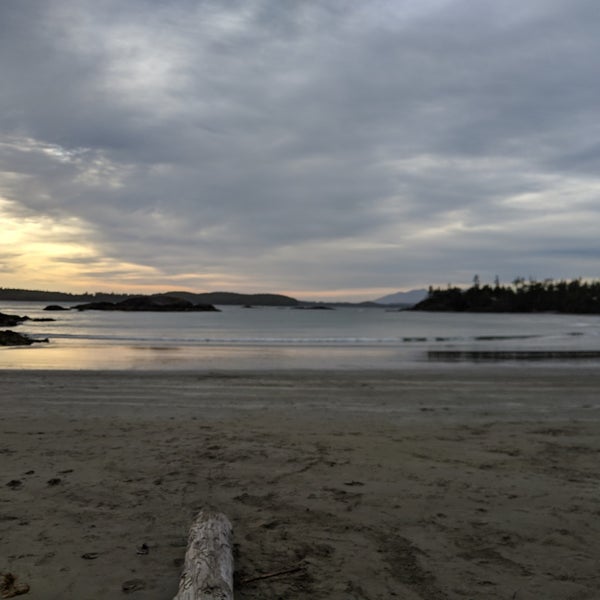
column 469, row 483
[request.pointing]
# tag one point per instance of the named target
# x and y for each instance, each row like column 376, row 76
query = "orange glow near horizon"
column 342, row 295
column 46, row 254
column 42, row 253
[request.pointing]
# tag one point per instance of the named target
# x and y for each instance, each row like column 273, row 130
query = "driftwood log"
column 208, row 567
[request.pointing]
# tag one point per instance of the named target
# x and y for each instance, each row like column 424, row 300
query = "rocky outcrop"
column 11, row 320
column 14, row 320
column 11, row 338
column 158, row 303
column 55, row 307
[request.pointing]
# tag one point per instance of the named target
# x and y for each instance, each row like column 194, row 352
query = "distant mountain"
column 410, row 297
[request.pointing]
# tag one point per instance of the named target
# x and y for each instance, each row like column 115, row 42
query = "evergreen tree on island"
column 523, row 296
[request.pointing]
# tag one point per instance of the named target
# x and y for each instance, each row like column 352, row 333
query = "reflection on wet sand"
column 499, row 355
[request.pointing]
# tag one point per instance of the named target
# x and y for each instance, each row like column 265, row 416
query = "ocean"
column 288, row 338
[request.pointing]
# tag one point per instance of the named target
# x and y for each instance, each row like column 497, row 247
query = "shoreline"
column 435, row 484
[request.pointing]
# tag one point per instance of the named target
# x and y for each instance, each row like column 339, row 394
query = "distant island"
column 574, row 297
column 157, row 303
column 214, row 298
column 223, row 298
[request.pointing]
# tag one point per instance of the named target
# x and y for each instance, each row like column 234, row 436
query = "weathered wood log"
column 208, row 567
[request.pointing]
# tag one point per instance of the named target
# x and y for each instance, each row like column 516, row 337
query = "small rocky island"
column 156, row 303
column 11, row 320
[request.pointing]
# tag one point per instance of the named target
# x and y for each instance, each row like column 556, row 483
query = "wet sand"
column 451, row 484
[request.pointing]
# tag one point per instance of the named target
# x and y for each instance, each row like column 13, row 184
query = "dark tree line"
column 15, row 294
column 575, row 296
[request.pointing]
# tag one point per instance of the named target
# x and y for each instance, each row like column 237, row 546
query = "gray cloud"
column 308, row 146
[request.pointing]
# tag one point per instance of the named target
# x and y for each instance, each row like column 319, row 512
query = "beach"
column 474, row 482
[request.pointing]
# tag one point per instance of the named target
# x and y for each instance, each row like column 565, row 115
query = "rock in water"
column 11, row 320
column 55, row 307
column 11, row 338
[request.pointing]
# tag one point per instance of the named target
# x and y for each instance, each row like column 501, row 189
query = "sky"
column 324, row 149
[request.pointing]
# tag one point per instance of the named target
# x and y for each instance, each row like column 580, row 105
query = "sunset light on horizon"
column 319, row 150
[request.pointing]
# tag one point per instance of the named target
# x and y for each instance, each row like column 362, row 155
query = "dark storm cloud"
column 309, row 145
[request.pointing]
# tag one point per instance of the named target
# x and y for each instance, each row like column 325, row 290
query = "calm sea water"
column 284, row 338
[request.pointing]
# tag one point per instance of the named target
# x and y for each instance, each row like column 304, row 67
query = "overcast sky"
column 318, row 148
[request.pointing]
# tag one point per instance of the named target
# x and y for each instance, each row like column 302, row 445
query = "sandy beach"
column 442, row 484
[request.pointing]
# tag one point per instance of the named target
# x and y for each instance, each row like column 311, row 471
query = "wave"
column 231, row 340
column 301, row 341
